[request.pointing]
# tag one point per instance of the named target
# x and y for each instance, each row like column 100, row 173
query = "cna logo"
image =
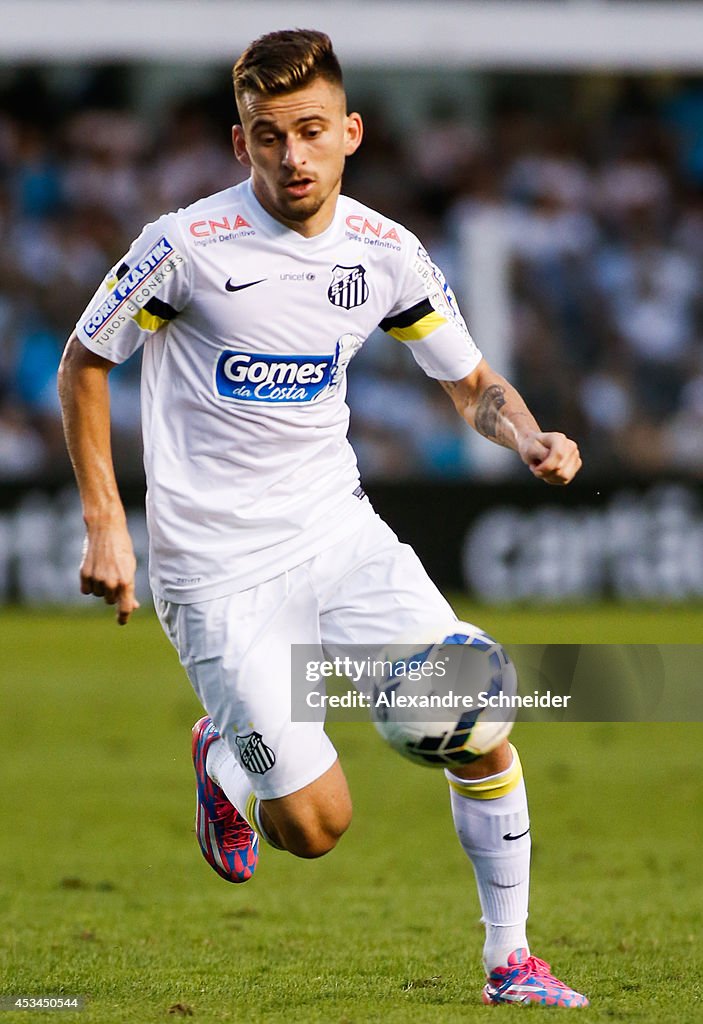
column 362, row 226
column 208, row 228
column 282, row 380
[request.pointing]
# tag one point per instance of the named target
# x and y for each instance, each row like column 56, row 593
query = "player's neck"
column 314, row 225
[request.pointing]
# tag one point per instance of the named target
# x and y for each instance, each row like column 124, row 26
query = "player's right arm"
column 138, row 297
column 108, row 565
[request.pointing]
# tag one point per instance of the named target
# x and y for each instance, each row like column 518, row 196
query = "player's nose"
column 293, row 155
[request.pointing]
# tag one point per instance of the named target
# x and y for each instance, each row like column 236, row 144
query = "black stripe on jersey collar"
column 409, row 317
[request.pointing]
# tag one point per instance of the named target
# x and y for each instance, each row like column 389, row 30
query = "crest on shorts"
column 349, row 287
column 254, row 754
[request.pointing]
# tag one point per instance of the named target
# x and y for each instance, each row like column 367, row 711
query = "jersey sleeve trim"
column 155, row 314
column 415, row 323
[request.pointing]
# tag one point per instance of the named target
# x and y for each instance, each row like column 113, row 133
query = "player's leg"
column 308, row 822
column 388, row 595
column 281, row 777
column 489, row 808
column 301, row 802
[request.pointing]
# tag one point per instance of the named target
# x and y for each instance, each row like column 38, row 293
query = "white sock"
column 224, row 770
column 485, row 811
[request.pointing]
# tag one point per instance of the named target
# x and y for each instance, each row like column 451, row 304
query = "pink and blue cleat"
column 526, row 979
column 228, row 843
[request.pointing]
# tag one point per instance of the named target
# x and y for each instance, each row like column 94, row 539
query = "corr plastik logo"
column 136, row 287
column 278, row 379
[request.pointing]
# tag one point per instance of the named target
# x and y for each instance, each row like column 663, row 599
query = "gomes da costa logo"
column 276, row 379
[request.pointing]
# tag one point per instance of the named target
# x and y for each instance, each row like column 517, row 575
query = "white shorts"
column 236, row 649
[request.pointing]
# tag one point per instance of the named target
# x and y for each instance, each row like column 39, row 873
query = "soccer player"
column 250, row 304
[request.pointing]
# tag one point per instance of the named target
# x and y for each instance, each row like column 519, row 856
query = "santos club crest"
column 254, row 754
column 349, row 287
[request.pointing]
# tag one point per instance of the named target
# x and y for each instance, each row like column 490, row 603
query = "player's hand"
column 551, row 457
column 108, row 568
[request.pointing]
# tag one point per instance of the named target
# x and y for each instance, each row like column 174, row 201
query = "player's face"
column 295, row 145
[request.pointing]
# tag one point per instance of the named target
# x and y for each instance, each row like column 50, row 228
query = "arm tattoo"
column 489, row 404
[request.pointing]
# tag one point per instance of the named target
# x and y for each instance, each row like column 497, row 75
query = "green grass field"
column 103, row 892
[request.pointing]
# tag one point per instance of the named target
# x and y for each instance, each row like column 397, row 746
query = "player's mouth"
column 299, row 187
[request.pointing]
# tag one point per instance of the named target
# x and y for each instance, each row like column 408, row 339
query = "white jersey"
column 248, row 328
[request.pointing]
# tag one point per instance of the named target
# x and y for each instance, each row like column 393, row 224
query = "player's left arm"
column 495, row 409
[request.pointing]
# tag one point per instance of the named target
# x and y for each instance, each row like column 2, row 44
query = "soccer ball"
column 443, row 703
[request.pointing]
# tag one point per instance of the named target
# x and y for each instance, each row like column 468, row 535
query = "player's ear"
column 353, row 133
column 240, row 147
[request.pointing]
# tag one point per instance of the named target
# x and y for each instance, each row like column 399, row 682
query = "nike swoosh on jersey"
column 238, row 287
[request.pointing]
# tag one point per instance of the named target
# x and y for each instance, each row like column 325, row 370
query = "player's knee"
column 310, row 822
column 316, row 837
column 498, row 760
column 310, row 846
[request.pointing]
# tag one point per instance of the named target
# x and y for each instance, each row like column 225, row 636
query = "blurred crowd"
column 599, row 207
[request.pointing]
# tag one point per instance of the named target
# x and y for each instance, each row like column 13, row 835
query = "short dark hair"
column 282, row 62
